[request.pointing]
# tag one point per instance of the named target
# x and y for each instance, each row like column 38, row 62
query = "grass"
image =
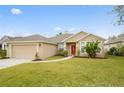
column 55, row 57
column 73, row 72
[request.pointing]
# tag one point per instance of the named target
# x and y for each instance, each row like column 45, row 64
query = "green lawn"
column 73, row 72
column 55, row 57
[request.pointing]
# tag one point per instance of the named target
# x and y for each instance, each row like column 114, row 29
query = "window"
column 98, row 51
column 99, row 45
column 82, row 45
column 60, row 46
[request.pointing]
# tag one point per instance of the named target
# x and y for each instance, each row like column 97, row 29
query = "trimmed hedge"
column 3, row 53
column 62, row 52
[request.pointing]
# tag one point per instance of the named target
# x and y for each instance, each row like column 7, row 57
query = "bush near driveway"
column 3, row 53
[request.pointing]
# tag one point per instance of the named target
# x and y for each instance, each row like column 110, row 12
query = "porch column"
column 64, row 45
column 37, row 47
column 76, row 44
column 10, row 51
column 4, row 45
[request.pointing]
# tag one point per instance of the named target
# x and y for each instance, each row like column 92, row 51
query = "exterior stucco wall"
column 47, row 50
column 91, row 38
column 29, row 50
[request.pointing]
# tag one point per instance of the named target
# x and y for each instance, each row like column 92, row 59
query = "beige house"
column 27, row 47
column 113, row 43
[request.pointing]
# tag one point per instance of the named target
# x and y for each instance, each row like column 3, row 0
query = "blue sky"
column 50, row 20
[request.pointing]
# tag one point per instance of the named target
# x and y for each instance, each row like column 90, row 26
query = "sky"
column 50, row 20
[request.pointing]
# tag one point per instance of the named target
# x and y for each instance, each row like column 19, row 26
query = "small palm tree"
column 92, row 48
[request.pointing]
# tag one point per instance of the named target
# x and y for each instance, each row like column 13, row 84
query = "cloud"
column 71, row 29
column 16, row 11
column 57, row 28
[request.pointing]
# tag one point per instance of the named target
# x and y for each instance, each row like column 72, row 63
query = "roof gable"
column 75, row 37
column 60, row 38
column 91, row 37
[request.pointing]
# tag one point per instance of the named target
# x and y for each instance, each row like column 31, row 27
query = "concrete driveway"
column 4, row 63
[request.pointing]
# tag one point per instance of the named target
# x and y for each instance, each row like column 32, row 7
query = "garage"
column 23, row 51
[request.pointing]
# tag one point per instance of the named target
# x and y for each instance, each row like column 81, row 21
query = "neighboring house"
column 27, row 47
column 113, row 43
column 3, row 41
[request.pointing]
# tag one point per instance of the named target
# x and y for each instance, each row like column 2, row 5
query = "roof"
column 33, row 38
column 39, row 38
column 85, row 34
column 114, row 41
column 5, row 38
column 99, row 37
column 60, row 38
column 73, row 35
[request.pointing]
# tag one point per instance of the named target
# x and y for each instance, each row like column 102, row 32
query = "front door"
column 73, row 49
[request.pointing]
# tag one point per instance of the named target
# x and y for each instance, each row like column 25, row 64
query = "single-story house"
column 3, row 41
column 113, row 43
column 27, row 47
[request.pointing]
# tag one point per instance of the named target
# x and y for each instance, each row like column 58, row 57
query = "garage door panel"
column 23, row 51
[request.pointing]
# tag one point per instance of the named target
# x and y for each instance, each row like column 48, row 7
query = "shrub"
column 117, row 51
column 121, row 51
column 3, row 53
column 92, row 48
column 113, row 51
column 65, row 53
column 62, row 52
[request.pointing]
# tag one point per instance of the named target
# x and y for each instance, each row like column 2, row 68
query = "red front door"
column 73, row 50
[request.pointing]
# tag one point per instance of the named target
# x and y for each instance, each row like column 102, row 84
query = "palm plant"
column 92, row 48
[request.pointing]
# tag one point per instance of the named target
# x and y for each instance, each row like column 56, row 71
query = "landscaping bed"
column 55, row 57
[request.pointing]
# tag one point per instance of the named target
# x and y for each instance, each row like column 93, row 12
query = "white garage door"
column 23, row 51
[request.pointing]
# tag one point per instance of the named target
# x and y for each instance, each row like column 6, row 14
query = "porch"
column 72, row 48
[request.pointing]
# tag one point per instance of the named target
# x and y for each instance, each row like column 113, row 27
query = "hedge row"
column 3, row 53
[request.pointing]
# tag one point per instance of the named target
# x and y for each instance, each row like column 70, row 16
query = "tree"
column 121, row 35
column 119, row 12
column 60, row 33
column 92, row 48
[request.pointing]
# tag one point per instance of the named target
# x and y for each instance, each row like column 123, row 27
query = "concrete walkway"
column 4, row 63
column 56, row 60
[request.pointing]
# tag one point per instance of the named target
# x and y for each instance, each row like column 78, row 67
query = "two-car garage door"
column 23, row 51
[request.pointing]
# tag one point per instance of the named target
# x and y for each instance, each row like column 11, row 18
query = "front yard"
column 73, row 72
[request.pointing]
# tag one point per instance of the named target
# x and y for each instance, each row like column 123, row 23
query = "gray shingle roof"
column 35, row 37
column 59, row 38
column 5, row 39
column 40, row 38
column 29, row 38
column 115, row 41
